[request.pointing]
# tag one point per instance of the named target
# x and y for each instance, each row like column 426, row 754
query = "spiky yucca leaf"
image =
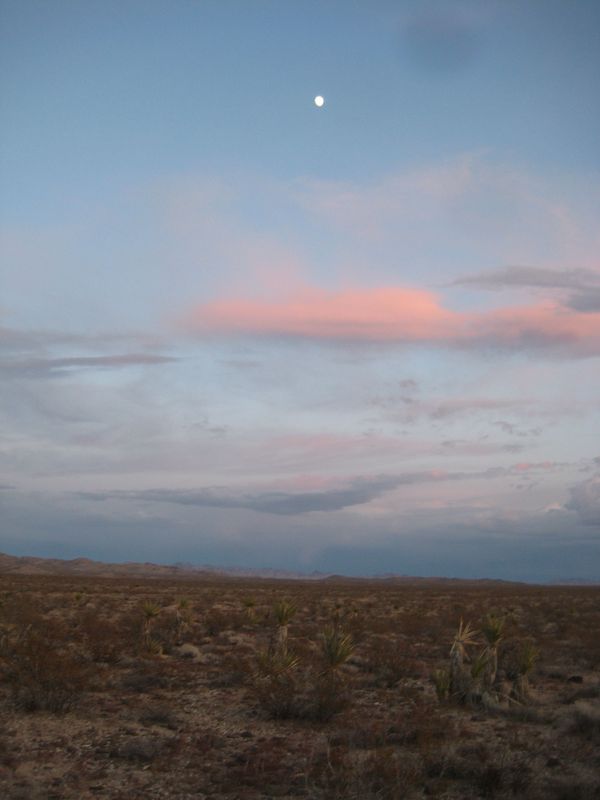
column 283, row 612
column 277, row 663
column 337, row 647
column 150, row 610
column 465, row 636
column 527, row 658
column 442, row 681
column 479, row 664
column 492, row 629
column 153, row 646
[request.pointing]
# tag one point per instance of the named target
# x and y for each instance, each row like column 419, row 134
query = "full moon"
column 319, row 101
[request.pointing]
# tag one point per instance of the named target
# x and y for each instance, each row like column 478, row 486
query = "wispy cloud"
column 531, row 276
column 57, row 367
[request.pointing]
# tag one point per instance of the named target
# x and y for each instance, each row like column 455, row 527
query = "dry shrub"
column 259, row 770
column 287, row 690
column 43, row 673
column 327, row 695
column 104, row 639
column 276, row 684
column 390, row 662
column 487, row 770
column 165, row 632
column 383, row 774
column 219, row 620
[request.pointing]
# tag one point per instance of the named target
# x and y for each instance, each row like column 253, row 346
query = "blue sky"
column 239, row 329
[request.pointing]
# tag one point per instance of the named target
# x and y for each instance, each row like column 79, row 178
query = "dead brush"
column 381, row 774
column 42, row 673
column 103, row 639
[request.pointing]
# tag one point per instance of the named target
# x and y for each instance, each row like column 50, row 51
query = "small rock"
column 188, row 650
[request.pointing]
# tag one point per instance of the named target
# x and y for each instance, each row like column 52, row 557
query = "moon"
column 319, row 101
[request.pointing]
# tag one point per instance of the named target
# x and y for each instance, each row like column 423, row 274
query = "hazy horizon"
column 240, row 329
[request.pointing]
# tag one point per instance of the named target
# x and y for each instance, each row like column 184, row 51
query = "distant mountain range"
column 32, row 565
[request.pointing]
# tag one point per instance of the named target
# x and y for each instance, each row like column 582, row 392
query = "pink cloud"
column 398, row 314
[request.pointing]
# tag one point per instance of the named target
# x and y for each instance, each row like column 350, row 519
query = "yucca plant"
column 492, row 629
column 460, row 677
column 150, row 611
column 250, row 606
column 478, row 665
column 275, row 683
column 465, row 636
column 441, row 681
column 283, row 611
column 183, row 617
column 336, row 648
column 275, row 664
column 526, row 662
column 330, row 691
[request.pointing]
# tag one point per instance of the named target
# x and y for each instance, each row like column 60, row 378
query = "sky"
column 241, row 330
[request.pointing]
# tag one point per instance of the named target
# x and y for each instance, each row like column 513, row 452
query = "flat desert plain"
column 213, row 687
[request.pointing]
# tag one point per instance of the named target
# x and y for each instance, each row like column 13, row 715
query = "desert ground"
column 215, row 687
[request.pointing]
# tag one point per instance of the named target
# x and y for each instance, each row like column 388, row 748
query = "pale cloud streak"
column 58, row 367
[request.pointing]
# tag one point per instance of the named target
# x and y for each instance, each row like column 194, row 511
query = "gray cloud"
column 587, row 300
column 56, row 367
column 407, row 407
column 514, row 430
column 585, row 501
column 28, row 340
column 357, row 492
column 584, row 283
column 531, row 276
